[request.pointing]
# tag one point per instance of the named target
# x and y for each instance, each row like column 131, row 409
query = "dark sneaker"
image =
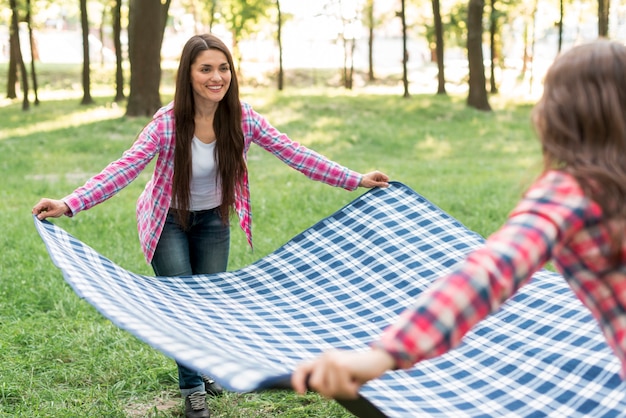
column 195, row 406
column 211, row 387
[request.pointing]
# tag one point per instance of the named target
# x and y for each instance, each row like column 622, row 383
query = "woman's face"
column 210, row 76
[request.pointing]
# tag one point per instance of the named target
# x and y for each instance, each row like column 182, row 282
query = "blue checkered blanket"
column 338, row 284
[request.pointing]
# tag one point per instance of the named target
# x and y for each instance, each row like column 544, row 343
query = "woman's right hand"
column 47, row 208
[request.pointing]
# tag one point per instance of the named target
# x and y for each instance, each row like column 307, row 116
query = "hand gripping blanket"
column 337, row 285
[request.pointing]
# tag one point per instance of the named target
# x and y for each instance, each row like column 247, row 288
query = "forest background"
column 449, row 45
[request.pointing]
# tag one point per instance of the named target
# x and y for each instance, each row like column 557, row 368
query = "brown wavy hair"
column 581, row 122
column 229, row 146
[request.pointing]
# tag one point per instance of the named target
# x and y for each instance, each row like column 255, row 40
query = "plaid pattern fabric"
column 338, row 284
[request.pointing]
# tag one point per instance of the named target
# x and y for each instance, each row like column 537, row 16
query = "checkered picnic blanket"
column 338, row 284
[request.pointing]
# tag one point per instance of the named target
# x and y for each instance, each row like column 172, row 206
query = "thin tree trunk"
column 370, row 40
column 405, row 52
column 493, row 29
column 439, row 48
column 33, row 48
column 14, row 51
column 212, row 14
column 281, row 74
column 84, row 22
column 560, row 25
column 18, row 54
column 101, row 35
column 532, row 48
column 603, row 18
column 117, row 42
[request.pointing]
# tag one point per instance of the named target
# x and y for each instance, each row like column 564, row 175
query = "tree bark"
column 33, row 55
column 603, row 18
column 560, row 25
column 493, row 48
column 14, row 52
column 145, row 36
column 477, row 97
column 439, row 48
column 370, row 39
column 281, row 74
column 119, row 59
column 405, row 52
column 84, row 23
column 18, row 54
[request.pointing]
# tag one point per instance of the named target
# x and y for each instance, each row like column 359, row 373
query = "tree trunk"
column 477, row 97
column 212, row 14
column 370, row 39
column 101, row 36
column 493, row 48
column 533, row 38
column 84, row 23
column 14, row 52
column 281, row 74
column 405, row 52
column 119, row 59
column 560, row 25
column 603, row 18
column 145, row 36
column 33, row 49
column 441, row 79
column 18, row 54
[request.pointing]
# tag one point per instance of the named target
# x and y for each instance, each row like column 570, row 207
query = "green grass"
column 60, row 358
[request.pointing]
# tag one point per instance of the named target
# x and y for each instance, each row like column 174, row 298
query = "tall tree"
column 370, row 23
column 560, row 24
column 212, row 11
column 12, row 72
column 279, row 29
column 493, row 47
column 147, row 19
column 439, row 47
column 14, row 52
column 33, row 48
column 477, row 97
column 405, row 52
column 117, row 43
column 17, row 50
column 84, row 23
column 603, row 17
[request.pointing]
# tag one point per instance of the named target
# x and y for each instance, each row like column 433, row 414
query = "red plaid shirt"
column 158, row 138
column 554, row 221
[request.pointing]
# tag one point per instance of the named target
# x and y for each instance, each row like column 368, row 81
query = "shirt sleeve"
column 491, row 274
column 310, row 163
column 117, row 175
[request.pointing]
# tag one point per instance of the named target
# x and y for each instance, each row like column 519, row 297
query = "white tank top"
column 205, row 187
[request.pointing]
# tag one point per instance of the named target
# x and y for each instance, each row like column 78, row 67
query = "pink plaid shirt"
column 157, row 138
column 554, row 221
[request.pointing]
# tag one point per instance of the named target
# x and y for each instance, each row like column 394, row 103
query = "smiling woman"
column 200, row 142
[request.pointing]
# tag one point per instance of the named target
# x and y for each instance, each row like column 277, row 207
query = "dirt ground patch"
column 161, row 404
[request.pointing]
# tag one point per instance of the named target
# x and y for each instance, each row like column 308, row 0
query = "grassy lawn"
column 60, row 358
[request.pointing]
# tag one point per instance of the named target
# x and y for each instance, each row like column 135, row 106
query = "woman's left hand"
column 339, row 374
column 374, row 179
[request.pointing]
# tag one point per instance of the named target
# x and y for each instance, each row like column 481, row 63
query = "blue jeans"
column 200, row 249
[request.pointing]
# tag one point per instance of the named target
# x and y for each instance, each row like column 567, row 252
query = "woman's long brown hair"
column 226, row 124
column 581, row 121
